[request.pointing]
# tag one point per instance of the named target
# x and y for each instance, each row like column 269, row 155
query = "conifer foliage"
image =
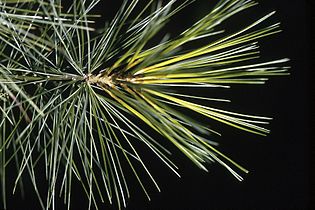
column 76, row 101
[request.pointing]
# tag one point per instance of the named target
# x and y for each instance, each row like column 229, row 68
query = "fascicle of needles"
column 69, row 93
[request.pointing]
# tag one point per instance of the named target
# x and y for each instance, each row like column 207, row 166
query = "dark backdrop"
column 279, row 164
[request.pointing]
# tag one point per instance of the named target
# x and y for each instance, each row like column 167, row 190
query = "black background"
column 279, row 164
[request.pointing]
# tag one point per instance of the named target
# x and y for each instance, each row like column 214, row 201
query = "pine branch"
column 69, row 95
